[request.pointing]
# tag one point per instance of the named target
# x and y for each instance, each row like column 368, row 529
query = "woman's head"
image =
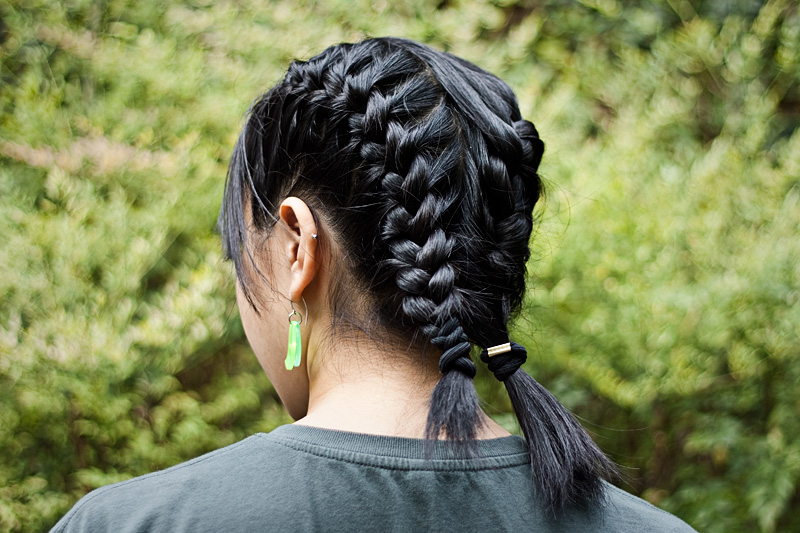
column 418, row 165
column 421, row 177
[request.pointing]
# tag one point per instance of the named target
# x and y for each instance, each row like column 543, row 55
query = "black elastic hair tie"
column 504, row 364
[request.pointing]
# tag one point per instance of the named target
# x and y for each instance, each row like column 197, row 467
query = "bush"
column 665, row 283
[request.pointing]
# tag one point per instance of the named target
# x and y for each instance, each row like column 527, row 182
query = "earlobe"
column 302, row 247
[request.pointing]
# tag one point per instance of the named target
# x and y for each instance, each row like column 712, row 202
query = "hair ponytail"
column 568, row 467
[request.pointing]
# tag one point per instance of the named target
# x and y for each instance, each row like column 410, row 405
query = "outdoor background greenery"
column 665, row 287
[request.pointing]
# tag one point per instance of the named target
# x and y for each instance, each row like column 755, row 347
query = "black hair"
column 421, row 166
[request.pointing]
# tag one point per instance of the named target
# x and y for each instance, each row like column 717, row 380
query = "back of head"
column 422, row 170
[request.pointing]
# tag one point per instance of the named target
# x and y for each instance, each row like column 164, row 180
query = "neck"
column 381, row 390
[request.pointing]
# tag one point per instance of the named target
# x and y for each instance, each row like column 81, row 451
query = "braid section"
column 454, row 407
column 422, row 175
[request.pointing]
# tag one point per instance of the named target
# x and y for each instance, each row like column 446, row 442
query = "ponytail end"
column 454, row 413
column 568, row 467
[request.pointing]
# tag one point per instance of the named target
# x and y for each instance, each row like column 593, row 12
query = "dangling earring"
column 294, row 352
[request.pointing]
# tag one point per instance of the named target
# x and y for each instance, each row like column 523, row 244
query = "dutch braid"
column 428, row 175
column 420, row 161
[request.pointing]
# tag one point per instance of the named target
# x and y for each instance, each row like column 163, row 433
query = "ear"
column 301, row 246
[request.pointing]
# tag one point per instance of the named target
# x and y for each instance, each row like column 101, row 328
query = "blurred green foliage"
column 664, row 286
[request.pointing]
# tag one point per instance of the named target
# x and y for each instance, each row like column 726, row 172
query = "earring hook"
column 298, row 314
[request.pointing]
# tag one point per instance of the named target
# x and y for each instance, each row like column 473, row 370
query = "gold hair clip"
column 500, row 348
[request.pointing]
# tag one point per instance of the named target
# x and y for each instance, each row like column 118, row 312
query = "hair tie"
column 452, row 339
column 506, row 362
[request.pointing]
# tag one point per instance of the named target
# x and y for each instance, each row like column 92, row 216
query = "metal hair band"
column 500, row 348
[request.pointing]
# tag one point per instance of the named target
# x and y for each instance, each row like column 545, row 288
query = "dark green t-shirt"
column 299, row 478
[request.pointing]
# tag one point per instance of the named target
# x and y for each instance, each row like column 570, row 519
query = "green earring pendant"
column 294, row 353
column 295, row 346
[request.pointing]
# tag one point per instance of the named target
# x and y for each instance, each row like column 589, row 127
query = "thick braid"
column 422, row 172
column 567, row 465
column 411, row 164
column 511, row 187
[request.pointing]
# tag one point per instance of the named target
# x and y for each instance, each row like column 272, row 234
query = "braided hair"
column 423, row 168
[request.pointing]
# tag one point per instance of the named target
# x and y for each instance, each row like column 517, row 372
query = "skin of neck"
column 375, row 383
column 372, row 383
column 362, row 386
